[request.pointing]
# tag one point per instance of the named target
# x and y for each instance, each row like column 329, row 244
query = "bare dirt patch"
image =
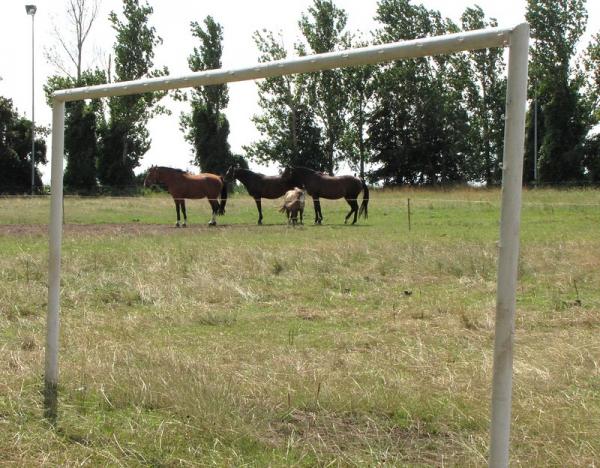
column 36, row 230
column 133, row 229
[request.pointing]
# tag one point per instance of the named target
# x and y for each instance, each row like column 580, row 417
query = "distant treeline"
column 434, row 120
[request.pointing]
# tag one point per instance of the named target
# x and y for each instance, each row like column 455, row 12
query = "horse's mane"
column 243, row 169
column 257, row 174
column 172, row 169
column 305, row 168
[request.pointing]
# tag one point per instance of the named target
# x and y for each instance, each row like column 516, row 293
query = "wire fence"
column 404, row 207
column 381, row 198
column 244, row 198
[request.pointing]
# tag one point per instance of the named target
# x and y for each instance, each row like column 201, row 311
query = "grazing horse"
column 259, row 185
column 319, row 185
column 182, row 185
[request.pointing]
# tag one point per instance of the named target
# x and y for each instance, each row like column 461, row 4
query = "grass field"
column 247, row 345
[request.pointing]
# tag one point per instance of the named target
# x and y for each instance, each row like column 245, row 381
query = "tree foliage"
column 125, row 138
column 418, row 128
column 592, row 93
column 486, row 90
column 15, row 151
column 428, row 120
column 323, row 30
column 289, row 133
column 206, row 128
column 563, row 119
column 83, row 121
column 592, row 71
column 358, row 85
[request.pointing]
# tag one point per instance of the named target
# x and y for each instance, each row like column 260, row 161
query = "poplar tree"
column 418, row 126
column 555, row 84
column 486, row 103
column 206, row 127
column 323, row 30
column 592, row 92
column 125, row 139
column 358, row 85
column 289, row 133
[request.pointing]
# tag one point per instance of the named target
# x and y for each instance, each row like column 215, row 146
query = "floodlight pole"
column 510, row 220
column 31, row 9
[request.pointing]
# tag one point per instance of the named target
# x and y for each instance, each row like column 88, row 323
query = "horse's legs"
column 215, row 210
column 301, row 214
column 318, row 215
column 177, row 202
column 259, row 208
column 355, row 203
column 353, row 209
column 184, row 213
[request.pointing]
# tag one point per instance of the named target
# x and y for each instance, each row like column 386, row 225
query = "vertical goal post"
column 515, row 38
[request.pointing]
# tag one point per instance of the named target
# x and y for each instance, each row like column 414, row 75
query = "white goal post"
column 516, row 38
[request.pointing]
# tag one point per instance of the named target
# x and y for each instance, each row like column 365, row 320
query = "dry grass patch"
column 324, row 345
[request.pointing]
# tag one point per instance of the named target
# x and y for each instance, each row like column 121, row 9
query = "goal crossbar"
column 516, row 38
column 437, row 45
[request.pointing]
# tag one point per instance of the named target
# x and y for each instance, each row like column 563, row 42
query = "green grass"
column 315, row 345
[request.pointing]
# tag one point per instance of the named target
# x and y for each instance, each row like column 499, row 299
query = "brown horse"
column 182, row 185
column 259, row 185
column 319, row 185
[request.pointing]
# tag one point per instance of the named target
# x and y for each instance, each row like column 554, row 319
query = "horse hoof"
column 184, row 225
column 212, row 223
column 177, row 225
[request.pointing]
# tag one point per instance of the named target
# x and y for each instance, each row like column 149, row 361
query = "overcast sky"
column 171, row 20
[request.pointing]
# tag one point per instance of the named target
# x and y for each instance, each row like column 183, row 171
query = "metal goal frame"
column 515, row 38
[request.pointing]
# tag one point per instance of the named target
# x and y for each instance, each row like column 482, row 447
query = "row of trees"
column 437, row 119
column 105, row 139
column 564, row 94
column 422, row 121
column 427, row 120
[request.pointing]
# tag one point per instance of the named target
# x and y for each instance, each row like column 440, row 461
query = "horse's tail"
column 364, row 210
column 223, row 197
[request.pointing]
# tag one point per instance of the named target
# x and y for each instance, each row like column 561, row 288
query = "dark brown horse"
column 259, row 185
column 319, row 185
column 182, row 185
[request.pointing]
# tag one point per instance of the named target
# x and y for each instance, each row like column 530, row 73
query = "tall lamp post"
column 31, row 9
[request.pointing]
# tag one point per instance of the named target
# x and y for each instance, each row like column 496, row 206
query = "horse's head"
column 287, row 174
column 230, row 174
column 293, row 177
column 151, row 177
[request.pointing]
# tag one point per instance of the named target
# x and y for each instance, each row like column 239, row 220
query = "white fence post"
column 512, row 180
column 55, row 239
